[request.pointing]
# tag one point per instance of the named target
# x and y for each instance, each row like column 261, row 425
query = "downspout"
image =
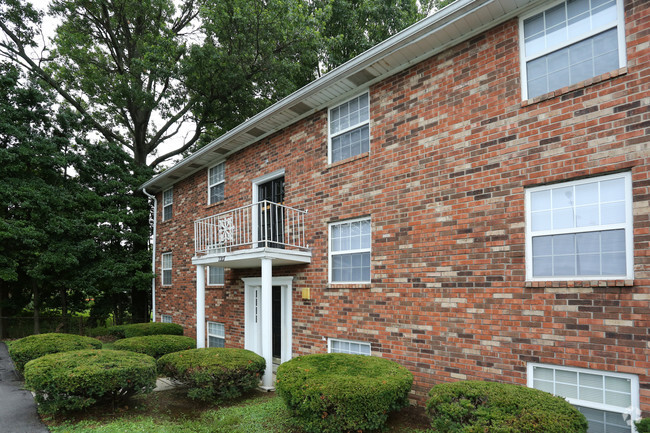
column 153, row 254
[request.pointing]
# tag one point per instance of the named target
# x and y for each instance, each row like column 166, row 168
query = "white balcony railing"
column 258, row 225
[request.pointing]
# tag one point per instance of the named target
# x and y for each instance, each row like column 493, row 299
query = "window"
column 349, row 251
column 352, row 347
column 216, row 334
column 166, row 318
column 609, row 401
column 167, row 269
column 571, row 42
column 215, row 276
column 168, row 201
column 216, row 183
column 580, row 230
column 349, row 128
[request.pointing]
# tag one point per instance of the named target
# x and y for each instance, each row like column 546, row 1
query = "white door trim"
column 252, row 314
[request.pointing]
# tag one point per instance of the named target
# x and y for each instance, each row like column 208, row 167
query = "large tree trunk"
column 37, row 306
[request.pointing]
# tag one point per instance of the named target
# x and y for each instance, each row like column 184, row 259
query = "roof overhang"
column 453, row 24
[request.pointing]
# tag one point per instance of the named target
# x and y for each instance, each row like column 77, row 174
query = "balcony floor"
column 252, row 258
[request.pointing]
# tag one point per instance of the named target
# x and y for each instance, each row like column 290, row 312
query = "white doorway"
column 253, row 310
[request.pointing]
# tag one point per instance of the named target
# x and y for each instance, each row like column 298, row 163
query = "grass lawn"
column 171, row 411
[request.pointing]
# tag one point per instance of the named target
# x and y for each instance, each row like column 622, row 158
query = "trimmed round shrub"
column 214, row 374
column 152, row 328
column 336, row 392
column 156, row 345
column 491, row 407
column 138, row 330
column 24, row 350
column 642, row 425
column 82, row 378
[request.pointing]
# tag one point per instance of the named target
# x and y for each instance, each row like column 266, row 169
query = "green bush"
column 643, row 425
column 138, row 330
column 338, row 392
column 491, row 407
column 155, row 345
column 214, row 374
column 24, row 350
column 78, row 379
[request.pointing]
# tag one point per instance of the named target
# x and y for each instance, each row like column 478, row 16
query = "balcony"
column 241, row 237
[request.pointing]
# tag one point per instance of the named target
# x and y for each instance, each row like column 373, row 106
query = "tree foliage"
column 69, row 222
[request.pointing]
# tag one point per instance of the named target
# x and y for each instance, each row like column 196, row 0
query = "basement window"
column 609, row 401
column 335, row 345
column 216, row 334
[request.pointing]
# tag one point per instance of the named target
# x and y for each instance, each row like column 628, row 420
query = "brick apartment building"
column 469, row 198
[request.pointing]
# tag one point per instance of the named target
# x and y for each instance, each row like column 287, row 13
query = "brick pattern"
column 452, row 149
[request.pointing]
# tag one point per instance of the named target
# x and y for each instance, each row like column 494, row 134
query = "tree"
column 43, row 241
column 350, row 27
column 137, row 70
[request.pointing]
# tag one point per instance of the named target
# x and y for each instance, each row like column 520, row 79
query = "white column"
column 200, row 306
column 267, row 321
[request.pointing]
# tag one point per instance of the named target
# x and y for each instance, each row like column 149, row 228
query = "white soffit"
column 457, row 22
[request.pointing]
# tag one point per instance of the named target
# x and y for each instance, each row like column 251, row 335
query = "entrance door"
column 271, row 218
column 276, row 331
column 281, row 317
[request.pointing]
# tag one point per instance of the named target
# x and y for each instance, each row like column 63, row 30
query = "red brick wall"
column 452, row 149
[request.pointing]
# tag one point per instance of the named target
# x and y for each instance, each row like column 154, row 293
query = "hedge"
column 214, row 374
column 24, row 350
column 643, row 425
column 78, row 379
column 338, row 392
column 155, row 345
column 492, row 407
column 138, row 330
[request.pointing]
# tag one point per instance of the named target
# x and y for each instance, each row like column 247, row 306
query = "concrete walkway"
column 17, row 406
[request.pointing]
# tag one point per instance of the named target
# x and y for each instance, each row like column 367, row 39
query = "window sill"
column 578, row 283
column 348, row 160
column 217, row 204
column 338, row 286
column 573, row 87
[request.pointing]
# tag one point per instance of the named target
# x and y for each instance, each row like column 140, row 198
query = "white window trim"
column 361, row 250
column 168, row 204
column 633, row 410
column 358, row 125
column 217, row 183
column 208, row 335
column 361, row 343
column 163, row 269
column 628, row 226
column 164, row 318
column 207, row 277
column 524, row 59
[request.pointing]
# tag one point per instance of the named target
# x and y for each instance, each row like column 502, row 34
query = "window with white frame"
column 216, row 183
column 571, row 42
column 167, row 269
column 349, row 251
column 345, row 346
column 166, row 318
column 580, row 230
column 215, row 276
column 216, row 334
column 349, row 128
column 168, row 202
column 609, row 401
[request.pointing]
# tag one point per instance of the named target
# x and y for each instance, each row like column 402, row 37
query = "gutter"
column 153, row 254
